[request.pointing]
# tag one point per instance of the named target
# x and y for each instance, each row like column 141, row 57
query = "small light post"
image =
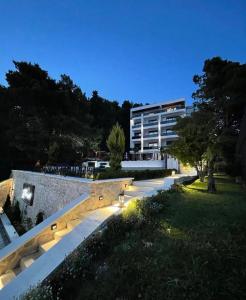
column 173, row 172
column 122, row 199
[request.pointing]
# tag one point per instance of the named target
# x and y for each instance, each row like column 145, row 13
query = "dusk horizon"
column 140, row 52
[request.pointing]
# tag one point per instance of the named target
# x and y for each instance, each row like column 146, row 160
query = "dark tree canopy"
column 222, row 92
column 51, row 121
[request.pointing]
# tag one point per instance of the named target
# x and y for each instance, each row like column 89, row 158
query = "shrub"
column 39, row 218
column 87, row 262
column 17, row 212
column 137, row 175
column 7, row 205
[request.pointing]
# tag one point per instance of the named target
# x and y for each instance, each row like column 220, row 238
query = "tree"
column 116, row 146
column 42, row 119
column 193, row 141
column 222, row 93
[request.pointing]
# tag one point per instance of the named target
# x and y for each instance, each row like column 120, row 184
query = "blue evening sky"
column 141, row 50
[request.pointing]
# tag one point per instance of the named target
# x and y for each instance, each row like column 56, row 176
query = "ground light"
column 121, row 199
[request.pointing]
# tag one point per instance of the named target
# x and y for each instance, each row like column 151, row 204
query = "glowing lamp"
column 53, row 226
column 121, row 199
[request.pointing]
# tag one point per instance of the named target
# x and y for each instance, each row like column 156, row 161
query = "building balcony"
column 135, row 137
column 136, row 125
column 150, row 124
column 150, row 135
column 136, row 116
column 151, row 148
column 167, row 122
column 169, row 133
column 173, row 110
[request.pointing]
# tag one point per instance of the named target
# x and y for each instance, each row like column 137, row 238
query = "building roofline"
column 157, row 104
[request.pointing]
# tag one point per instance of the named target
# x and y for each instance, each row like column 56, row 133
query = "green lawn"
column 194, row 247
column 197, row 250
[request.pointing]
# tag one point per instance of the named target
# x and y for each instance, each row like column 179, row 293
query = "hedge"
column 136, row 174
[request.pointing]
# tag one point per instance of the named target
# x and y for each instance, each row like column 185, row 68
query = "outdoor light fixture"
column 1, row 211
column 173, row 172
column 100, row 197
column 121, row 199
column 53, row 226
column 28, row 193
column 125, row 185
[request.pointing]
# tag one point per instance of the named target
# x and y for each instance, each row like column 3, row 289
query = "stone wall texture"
column 53, row 192
column 5, row 190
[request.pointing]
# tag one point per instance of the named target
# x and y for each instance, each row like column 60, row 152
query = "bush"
column 152, row 206
column 17, row 212
column 87, row 262
column 136, row 174
column 39, row 218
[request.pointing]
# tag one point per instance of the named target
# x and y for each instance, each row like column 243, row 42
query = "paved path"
column 36, row 267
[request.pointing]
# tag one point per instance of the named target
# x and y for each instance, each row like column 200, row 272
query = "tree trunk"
column 200, row 174
column 211, row 180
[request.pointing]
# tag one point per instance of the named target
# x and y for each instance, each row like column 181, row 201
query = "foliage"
column 7, row 205
column 136, row 174
column 44, row 120
column 14, row 214
column 222, row 94
column 17, row 212
column 39, row 218
column 116, row 146
column 193, row 140
column 80, row 264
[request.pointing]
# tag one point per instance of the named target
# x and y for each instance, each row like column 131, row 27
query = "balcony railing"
column 152, row 112
column 136, row 137
column 169, row 133
column 151, row 135
column 170, row 110
column 150, row 124
column 168, row 121
column 136, row 115
column 151, row 148
column 136, row 125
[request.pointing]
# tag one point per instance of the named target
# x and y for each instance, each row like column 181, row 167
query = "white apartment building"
column 151, row 128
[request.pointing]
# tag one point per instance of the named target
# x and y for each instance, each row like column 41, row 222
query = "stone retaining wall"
column 5, row 190
column 53, row 192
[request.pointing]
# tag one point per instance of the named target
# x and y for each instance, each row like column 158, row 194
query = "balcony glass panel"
column 150, row 124
column 136, row 125
column 169, row 133
column 151, row 135
column 150, row 147
column 168, row 121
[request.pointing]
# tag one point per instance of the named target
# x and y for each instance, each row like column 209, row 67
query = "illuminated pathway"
column 36, row 266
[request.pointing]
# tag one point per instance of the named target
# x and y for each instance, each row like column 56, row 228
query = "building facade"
column 151, row 128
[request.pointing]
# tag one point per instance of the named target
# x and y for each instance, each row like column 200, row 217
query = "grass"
column 193, row 248
column 196, row 250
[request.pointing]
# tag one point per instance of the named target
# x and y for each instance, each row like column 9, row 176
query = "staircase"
column 27, row 260
column 143, row 188
column 138, row 190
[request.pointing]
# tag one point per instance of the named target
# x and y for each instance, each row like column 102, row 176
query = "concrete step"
column 26, row 261
column 139, row 188
column 150, row 183
column 46, row 246
column 73, row 223
column 134, row 193
column 6, row 278
column 61, row 233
